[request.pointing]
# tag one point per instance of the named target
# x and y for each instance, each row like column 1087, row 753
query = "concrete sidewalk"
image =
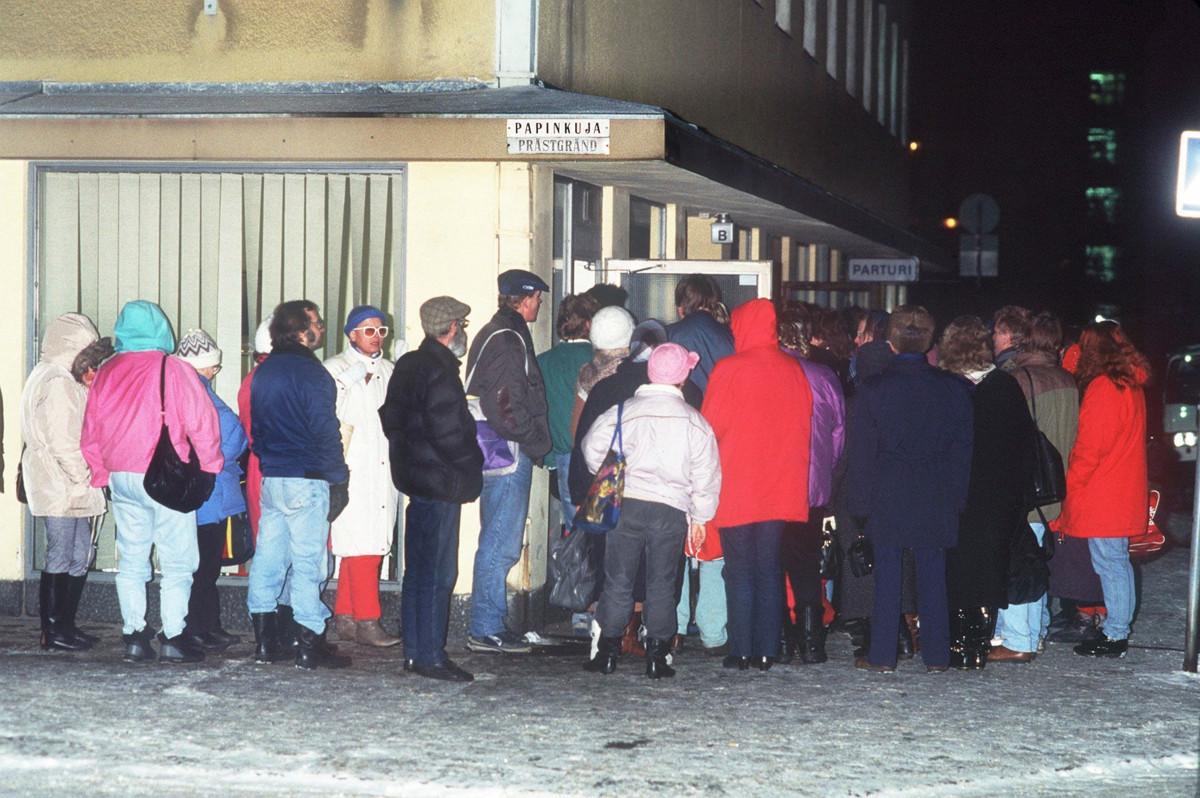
column 76, row 724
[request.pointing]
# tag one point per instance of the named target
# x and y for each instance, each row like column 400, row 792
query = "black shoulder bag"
column 181, row 486
column 1049, row 477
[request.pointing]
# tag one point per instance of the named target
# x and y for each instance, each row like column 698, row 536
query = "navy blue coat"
column 909, row 454
column 710, row 339
column 293, row 419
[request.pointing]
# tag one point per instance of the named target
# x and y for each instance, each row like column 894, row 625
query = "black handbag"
column 238, row 546
column 830, row 563
column 171, row 482
column 862, row 556
column 1028, row 573
column 1049, row 485
column 576, row 570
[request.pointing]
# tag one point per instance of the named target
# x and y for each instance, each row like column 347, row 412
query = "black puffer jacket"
column 508, row 382
column 431, row 434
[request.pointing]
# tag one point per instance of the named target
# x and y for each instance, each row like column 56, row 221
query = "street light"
column 949, row 223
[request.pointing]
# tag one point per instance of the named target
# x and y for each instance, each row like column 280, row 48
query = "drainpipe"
column 516, row 42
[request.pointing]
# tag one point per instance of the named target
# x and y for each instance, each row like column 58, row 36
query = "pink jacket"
column 122, row 422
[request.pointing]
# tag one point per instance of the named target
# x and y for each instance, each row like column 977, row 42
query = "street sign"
column 978, row 214
column 557, row 136
column 1187, row 187
column 883, row 270
column 978, row 256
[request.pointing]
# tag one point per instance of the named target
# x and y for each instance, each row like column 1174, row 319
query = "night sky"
column 999, row 99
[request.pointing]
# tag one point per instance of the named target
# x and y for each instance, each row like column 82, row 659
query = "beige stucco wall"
column 248, row 40
column 726, row 66
column 13, row 219
column 467, row 222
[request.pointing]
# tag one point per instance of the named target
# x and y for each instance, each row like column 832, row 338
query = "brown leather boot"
column 345, row 627
column 370, row 633
column 629, row 638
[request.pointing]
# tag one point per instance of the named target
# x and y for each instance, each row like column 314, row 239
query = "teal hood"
column 143, row 327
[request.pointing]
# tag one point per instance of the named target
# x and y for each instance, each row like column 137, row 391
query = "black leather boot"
column 979, row 632
column 812, row 649
column 313, row 652
column 57, row 633
column 791, row 642
column 605, row 661
column 287, row 630
column 266, row 638
column 44, row 592
column 905, row 646
column 179, row 649
column 860, row 635
column 74, row 594
column 656, row 659
column 138, row 646
column 960, row 643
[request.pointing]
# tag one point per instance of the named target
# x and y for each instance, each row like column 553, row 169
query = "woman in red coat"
column 760, row 407
column 1106, row 475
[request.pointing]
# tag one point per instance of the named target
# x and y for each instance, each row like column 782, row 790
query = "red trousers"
column 358, row 587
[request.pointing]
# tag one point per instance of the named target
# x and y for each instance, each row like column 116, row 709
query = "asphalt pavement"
column 90, row 724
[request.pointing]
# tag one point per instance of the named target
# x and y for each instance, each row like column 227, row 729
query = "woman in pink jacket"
column 121, row 427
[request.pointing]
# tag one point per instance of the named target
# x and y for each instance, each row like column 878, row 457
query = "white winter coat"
column 670, row 451
column 368, row 522
column 57, row 478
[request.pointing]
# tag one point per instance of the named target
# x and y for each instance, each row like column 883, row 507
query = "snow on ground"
column 538, row 725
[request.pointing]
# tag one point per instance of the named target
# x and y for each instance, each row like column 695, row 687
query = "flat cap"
column 518, row 282
column 437, row 313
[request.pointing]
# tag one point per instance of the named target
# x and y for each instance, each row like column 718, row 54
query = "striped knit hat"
column 199, row 349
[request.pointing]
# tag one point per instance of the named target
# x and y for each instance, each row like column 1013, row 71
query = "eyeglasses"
column 371, row 332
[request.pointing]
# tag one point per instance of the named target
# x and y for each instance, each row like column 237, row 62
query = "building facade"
column 220, row 157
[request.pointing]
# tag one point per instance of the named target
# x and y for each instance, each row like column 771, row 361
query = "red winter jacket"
column 1106, row 473
column 760, row 407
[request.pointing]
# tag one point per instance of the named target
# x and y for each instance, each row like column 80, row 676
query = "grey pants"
column 68, row 545
column 659, row 530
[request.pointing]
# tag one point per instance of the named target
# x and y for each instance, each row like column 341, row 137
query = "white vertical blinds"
column 217, row 250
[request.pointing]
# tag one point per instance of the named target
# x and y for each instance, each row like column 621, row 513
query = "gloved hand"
column 339, row 497
column 356, row 373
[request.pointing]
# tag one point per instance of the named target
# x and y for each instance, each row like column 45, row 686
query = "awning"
column 653, row 153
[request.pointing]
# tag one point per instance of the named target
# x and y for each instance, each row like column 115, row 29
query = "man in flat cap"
column 504, row 374
column 437, row 464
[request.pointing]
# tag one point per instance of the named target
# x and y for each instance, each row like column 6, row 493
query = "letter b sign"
column 722, row 232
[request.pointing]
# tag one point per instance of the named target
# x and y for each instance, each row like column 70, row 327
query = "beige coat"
column 56, row 475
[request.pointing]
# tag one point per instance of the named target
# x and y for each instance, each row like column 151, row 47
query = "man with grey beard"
column 437, row 464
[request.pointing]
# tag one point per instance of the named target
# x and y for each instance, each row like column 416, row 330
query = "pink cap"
column 670, row 364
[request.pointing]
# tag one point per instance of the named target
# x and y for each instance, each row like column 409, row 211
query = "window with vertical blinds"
column 218, row 250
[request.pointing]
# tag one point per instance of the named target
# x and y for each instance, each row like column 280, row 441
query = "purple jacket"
column 828, row 429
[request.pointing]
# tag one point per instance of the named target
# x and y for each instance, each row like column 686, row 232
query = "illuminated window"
column 1103, row 203
column 1101, row 262
column 1106, row 88
column 1102, row 144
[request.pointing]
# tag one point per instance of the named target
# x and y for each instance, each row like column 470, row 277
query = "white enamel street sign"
column 557, row 136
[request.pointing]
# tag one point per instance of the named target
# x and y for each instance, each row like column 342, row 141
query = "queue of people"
column 761, row 447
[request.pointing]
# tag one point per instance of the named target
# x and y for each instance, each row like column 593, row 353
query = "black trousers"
column 658, row 531
column 799, row 553
column 204, row 605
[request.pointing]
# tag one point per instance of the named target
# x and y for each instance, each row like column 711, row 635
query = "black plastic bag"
column 830, row 562
column 1028, row 573
column 575, row 571
column 861, row 556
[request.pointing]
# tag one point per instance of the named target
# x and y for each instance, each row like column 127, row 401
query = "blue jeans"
column 503, row 506
column 754, row 588
column 562, row 471
column 1110, row 559
column 430, row 571
column 294, row 530
column 142, row 523
column 1022, row 626
column 711, row 611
